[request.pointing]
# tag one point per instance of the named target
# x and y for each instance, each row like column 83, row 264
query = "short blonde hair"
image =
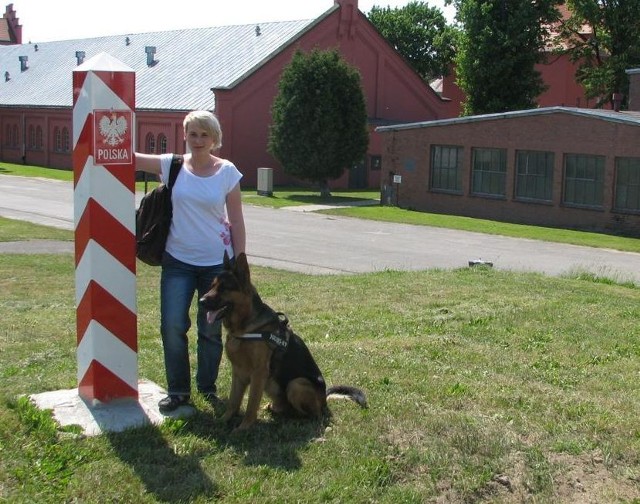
column 208, row 122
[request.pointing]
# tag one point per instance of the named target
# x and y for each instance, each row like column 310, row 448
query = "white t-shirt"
column 200, row 231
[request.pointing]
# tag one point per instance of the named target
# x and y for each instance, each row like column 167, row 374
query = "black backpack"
column 153, row 218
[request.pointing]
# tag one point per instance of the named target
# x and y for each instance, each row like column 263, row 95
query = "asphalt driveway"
column 305, row 241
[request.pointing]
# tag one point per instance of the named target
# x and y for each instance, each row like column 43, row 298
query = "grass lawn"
column 484, row 387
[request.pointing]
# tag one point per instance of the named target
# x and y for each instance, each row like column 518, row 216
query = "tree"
column 420, row 34
column 501, row 42
column 608, row 46
column 319, row 118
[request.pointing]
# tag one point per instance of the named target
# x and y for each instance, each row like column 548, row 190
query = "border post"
column 104, row 217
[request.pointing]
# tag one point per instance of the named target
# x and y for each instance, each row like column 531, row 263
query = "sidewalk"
column 315, row 208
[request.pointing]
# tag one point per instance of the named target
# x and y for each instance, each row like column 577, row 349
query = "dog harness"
column 277, row 340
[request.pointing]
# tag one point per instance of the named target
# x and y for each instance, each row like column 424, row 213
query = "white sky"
column 47, row 20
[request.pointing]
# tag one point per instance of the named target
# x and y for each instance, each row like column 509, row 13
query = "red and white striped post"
column 104, row 215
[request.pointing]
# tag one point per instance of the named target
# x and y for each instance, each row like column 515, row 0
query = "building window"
column 66, row 140
column 39, row 144
column 57, row 140
column 446, row 168
column 489, row 172
column 7, row 135
column 376, row 163
column 162, row 142
column 627, row 184
column 534, row 175
column 32, row 137
column 150, row 144
column 15, row 136
column 583, row 180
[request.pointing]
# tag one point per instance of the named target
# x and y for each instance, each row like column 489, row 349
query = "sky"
column 47, row 20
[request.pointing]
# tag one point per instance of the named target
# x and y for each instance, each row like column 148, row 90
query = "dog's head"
column 230, row 289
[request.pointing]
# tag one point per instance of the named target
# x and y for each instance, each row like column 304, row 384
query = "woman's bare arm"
column 149, row 163
column 236, row 219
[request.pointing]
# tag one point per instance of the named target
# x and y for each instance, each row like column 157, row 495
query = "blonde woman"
column 207, row 221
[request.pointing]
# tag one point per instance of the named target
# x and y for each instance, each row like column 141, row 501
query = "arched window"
column 162, row 142
column 150, row 144
column 32, row 137
column 7, row 135
column 57, row 140
column 66, row 141
column 15, row 138
column 39, row 144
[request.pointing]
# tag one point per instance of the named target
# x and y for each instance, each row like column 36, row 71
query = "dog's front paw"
column 244, row 426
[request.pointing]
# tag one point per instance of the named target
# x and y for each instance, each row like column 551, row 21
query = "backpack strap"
column 176, row 164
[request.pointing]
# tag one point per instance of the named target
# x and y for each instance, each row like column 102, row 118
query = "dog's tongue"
column 211, row 316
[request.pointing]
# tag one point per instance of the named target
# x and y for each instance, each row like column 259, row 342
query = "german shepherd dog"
column 265, row 354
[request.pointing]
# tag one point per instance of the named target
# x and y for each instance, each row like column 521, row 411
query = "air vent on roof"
column 127, row 41
column 80, row 57
column 24, row 60
column 7, row 77
column 151, row 51
column 35, row 47
column 258, row 31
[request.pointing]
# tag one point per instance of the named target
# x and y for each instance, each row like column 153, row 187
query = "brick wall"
column 406, row 152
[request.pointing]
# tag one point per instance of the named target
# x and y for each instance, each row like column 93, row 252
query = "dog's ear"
column 242, row 269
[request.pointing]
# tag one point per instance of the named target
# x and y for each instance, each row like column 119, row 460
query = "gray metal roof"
column 625, row 117
column 189, row 64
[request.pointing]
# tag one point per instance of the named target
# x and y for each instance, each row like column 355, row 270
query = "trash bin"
column 265, row 181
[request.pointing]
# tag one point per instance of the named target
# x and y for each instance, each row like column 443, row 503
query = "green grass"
column 584, row 238
column 484, row 386
column 52, row 173
column 15, row 230
column 35, row 171
column 283, row 197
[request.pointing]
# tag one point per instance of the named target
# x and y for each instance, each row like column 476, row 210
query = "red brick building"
column 558, row 73
column 557, row 167
column 232, row 70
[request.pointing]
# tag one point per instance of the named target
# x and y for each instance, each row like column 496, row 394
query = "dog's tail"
column 348, row 392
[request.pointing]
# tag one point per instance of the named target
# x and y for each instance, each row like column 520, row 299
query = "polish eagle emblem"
column 113, row 128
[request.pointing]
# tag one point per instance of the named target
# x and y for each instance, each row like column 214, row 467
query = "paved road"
column 314, row 243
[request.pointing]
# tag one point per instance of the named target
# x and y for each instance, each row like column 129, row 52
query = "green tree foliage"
column 319, row 126
column 501, row 42
column 420, row 34
column 604, row 37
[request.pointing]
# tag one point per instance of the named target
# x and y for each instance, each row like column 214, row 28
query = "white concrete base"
column 115, row 416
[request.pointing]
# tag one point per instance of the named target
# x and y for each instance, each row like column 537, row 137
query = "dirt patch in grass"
column 576, row 479
column 528, row 473
column 586, row 479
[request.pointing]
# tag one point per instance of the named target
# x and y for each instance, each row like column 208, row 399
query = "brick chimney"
column 15, row 28
column 348, row 17
column 634, row 89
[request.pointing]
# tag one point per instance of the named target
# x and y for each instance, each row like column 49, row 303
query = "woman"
column 207, row 220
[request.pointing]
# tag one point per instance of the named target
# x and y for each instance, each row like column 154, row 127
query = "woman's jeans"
column 178, row 283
